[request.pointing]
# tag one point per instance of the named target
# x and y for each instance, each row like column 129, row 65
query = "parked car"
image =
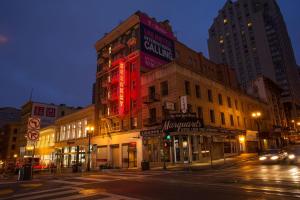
column 273, row 156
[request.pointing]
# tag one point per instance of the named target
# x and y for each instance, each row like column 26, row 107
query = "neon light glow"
column 121, row 88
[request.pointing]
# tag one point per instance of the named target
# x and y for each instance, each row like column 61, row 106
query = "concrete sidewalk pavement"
column 215, row 164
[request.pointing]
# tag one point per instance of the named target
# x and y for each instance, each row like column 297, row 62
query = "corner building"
column 142, row 70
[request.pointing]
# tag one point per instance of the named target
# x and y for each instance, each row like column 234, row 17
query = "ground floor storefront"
column 118, row 150
column 190, row 147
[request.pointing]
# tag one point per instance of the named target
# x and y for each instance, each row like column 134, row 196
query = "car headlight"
column 262, row 158
column 274, row 157
column 291, row 156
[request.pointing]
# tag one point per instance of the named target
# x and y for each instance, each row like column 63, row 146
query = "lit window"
column 225, row 21
column 249, row 24
column 109, row 50
column 221, row 41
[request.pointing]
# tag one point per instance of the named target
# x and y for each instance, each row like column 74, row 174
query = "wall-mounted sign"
column 176, row 122
column 157, row 44
column 121, row 88
column 182, row 125
column 183, row 104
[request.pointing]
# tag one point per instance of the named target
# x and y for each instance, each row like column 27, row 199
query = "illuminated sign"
column 121, row 88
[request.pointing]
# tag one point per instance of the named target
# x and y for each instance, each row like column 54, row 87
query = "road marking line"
column 116, row 197
column 48, row 195
column 90, row 179
column 67, row 182
column 38, row 192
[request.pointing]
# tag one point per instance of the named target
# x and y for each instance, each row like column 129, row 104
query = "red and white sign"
column 33, row 128
column 33, row 135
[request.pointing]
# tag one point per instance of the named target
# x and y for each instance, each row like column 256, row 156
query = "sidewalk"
column 216, row 164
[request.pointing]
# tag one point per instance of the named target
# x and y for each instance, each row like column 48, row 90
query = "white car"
column 273, row 156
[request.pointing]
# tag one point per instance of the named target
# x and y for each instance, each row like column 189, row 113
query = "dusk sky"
column 48, row 45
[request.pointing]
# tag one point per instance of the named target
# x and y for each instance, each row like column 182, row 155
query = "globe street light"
column 89, row 131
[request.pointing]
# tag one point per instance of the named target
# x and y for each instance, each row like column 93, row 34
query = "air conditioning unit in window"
column 169, row 105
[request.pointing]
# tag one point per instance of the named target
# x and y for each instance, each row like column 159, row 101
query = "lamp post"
column 89, row 132
column 256, row 116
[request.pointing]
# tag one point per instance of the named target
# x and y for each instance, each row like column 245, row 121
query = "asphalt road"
column 248, row 180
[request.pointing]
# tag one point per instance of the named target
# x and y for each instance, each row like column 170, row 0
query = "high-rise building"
column 251, row 36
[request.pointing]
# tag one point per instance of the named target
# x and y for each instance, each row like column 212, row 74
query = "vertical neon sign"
column 121, row 88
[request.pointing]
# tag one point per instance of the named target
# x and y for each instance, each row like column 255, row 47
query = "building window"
column 152, row 113
column 209, row 95
column 164, row 88
column 14, row 139
column 15, row 131
column 212, row 116
column 189, row 108
column 236, row 104
column 220, row 98
column 222, row 118
column 13, row 147
column 231, row 120
column 238, row 120
column 151, row 92
column 187, row 87
column 229, row 102
column 200, row 112
column 198, row 91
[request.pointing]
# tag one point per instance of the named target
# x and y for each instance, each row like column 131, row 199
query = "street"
column 246, row 180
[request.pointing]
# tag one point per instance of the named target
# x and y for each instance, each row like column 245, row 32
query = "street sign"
column 33, row 128
column 33, row 135
column 183, row 104
column 34, row 123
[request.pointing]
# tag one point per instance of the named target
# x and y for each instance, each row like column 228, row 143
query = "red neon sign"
column 121, row 88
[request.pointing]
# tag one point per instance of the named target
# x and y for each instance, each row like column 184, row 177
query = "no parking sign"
column 33, row 128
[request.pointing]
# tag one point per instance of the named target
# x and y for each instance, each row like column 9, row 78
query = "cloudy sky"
column 47, row 45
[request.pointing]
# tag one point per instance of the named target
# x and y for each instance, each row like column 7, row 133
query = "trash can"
column 145, row 165
column 27, row 175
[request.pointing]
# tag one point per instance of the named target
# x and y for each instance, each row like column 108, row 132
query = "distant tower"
column 251, row 36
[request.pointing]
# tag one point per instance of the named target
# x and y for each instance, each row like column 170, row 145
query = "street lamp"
column 89, row 131
column 256, row 116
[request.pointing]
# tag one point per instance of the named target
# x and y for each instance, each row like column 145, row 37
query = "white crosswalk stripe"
column 69, row 193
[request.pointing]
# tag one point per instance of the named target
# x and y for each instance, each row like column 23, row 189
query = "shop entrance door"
column 115, row 156
column 185, row 149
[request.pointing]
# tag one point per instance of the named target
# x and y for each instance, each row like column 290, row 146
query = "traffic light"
column 167, row 139
column 167, row 136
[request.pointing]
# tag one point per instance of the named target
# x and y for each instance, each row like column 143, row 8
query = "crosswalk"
column 106, row 177
column 72, row 187
column 68, row 193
